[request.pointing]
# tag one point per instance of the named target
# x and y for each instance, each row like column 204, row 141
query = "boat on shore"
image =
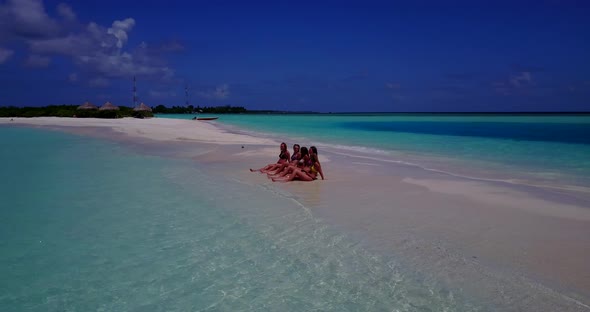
column 205, row 118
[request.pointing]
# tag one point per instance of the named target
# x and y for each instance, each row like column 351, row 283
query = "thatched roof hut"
column 142, row 107
column 108, row 106
column 87, row 105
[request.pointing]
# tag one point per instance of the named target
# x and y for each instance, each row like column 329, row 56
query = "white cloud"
column 70, row 45
column 98, row 50
column 73, row 77
column 66, row 12
column 35, row 60
column 521, row 79
column 220, row 92
column 516, row 84
column 26, row 19
column 392, row 85
column 99, row 82
column 5, row 54
column 120, row 29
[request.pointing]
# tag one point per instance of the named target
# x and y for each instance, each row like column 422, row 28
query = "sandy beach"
column 511, row 246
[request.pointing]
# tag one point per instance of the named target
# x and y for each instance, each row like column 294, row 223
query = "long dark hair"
column 315, row 153
column 304, row 151
column 283, row 151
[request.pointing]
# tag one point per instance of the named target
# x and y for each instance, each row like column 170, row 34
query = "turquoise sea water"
column 90, row 225
column 547, row 150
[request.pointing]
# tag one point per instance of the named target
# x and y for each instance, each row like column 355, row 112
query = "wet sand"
column 510, row 247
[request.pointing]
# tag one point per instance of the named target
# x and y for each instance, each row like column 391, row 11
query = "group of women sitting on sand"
column 303, row 165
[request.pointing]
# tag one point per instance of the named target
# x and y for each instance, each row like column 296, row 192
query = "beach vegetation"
column 124, row 111
column 190, row 109
column 227, row 109
column 71, row 111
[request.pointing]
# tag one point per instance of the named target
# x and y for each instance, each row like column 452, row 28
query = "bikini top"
column 295, row 156
column 283, row 155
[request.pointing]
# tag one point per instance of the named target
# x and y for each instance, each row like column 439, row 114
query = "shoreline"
column 158, row 129
column 430, row 217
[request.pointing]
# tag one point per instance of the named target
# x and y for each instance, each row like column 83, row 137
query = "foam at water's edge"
column 389, row 156
column 470, row 177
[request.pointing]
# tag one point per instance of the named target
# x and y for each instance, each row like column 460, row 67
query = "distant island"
column 227, row 109
column 123, row 111
column 190, row 109
column 120, row 112
column 73, row 111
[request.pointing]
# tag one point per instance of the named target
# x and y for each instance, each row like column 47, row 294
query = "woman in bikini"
column 296, row 153
column 283, row 158
column 306, row 173
column 285, row 169
column 278, row 168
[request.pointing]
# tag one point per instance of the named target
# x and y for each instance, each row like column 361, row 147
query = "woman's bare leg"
column 282, row 172
column 285, row 172
column 277, row 169
column 270, row 167
column 298, row 173
column 260, row 170
column 267, row 168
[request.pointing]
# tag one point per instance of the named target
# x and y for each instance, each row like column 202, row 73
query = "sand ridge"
column 161, row 129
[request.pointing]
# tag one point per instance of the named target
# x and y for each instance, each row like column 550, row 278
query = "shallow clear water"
column 550, row 150
column 91, row 225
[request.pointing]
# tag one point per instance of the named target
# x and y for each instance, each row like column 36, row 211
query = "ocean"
column 90, row 224
column 93, row 225
column 551, row 151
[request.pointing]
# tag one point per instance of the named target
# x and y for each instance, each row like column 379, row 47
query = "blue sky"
column 329, row 57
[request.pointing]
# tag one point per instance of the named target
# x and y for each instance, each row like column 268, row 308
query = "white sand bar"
column 162, row 129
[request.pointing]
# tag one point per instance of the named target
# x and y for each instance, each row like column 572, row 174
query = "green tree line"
column 69, row 111
column 73, row 111
column 161, row 109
